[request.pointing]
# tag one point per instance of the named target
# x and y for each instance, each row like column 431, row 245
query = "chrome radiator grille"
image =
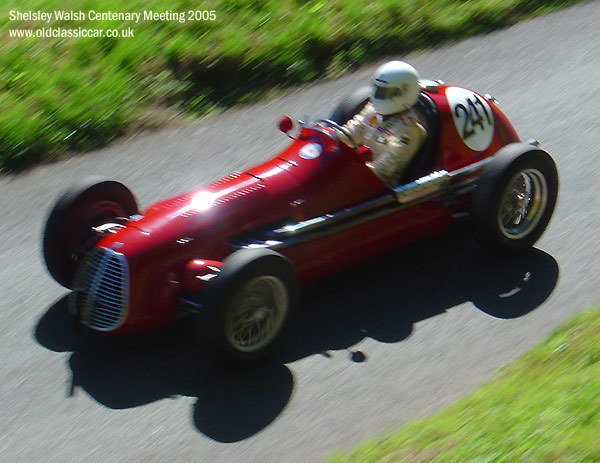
column 101, row 290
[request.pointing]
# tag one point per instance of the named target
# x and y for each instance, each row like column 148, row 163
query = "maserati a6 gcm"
column 236, row 250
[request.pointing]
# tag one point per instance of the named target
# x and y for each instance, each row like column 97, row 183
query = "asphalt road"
column 377, row 346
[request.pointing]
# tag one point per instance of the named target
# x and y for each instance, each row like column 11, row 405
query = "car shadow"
column 381, row 299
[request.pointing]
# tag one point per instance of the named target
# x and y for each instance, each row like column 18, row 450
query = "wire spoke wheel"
column 257, row 313
column 252, row 302
column 514, row 199
column 523, row 204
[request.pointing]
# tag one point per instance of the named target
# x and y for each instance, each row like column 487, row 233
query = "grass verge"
column 543, row 408
column 60, row 94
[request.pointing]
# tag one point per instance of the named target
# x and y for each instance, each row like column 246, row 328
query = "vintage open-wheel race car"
column 234, row 253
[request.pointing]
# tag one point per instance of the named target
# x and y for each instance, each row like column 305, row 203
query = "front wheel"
column 252, row 302
column 69, row 233
column 515, row 198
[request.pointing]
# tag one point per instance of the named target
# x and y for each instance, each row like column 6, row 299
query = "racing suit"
column 392, row 139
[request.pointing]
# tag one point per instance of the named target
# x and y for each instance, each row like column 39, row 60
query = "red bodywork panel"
column 454, row 154
column 312, row 177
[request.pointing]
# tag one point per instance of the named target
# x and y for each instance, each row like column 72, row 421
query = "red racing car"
column 236, row 250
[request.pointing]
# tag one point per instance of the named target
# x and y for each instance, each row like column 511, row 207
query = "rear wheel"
column 515, row 198
column 69, row 234
column 252, row 303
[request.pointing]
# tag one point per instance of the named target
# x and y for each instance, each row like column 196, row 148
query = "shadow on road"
column 381, row 299
column 385, row 297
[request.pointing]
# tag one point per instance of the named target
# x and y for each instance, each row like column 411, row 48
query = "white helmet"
column 395, row 87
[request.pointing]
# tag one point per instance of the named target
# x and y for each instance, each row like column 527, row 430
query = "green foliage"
column 543, row 408
column 76, row 93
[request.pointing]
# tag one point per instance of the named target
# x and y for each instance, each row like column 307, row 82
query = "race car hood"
column 322, row 176
column 312, row 177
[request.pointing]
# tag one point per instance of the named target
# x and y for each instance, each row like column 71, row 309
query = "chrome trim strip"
column 330, row 219
column 434, row 185
column 421, row 188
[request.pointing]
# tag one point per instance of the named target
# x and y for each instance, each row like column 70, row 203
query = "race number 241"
column 472, row 116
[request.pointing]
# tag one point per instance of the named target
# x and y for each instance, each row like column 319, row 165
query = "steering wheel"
column 340, row 130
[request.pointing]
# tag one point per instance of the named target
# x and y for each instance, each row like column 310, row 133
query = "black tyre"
column 68, row 233
column 252, row 303
column 514, row 199
column 351, row 105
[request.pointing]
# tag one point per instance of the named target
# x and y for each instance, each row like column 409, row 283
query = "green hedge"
column 76, row 94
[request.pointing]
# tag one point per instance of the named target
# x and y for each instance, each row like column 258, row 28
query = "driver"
column 388, row 124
